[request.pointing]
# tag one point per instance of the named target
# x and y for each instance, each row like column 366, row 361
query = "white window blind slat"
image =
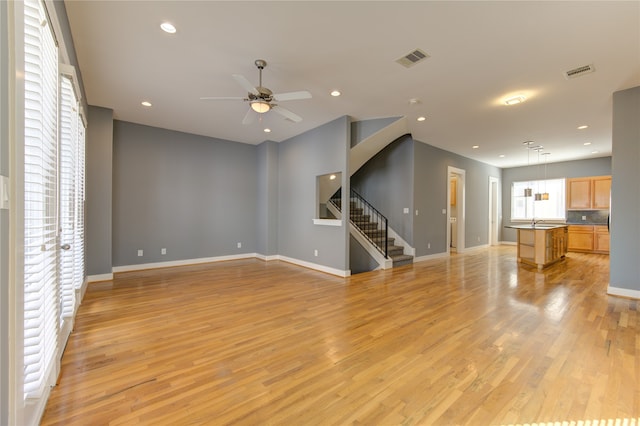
column 41, row 192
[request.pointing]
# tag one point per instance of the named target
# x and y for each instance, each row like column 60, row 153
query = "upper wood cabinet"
column 588, row 193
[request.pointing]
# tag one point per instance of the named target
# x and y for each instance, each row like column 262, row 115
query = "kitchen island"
column 541, row 245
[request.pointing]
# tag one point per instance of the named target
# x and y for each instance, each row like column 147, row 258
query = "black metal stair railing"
column 372, row 224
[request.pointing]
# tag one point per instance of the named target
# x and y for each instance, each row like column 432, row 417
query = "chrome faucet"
column 534, row 221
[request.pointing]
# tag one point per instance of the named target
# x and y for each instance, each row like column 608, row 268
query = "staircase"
column 372, row 225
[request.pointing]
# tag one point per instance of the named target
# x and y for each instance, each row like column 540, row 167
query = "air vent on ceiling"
column 413, row 58
column 577, row 72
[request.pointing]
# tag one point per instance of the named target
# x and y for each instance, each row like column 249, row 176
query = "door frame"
column 495, row 216
column 460, row 174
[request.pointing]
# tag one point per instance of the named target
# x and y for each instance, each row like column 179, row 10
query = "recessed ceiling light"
column 515, row 100
column 146, row 103
column 335, row 93
column 582, row 127
column 475, row 146
column 414, row 101
column 267, row 130
column 501, row 155
column 587, row 143
column 421, row 118
column 595, row 152
column 168, row 28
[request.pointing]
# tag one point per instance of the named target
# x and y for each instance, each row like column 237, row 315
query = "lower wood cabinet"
column 588, row 238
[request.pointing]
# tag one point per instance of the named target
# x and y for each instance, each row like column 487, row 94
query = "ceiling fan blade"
column 250, row 117
column 222, row 98
column 286, row 113
column 291, row 96
column 246, row 84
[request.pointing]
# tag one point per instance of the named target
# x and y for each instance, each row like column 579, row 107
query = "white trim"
column 172, row 263
column 474, row 248
column 321, row 268
column 267, row 258
column 430, row 257
column 460, row 198
column 623, row 292
column 494, row 227
column 97, row 278
column 328, row 222
column 508, row 243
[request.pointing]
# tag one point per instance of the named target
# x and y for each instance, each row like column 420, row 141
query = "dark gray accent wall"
column 430, row 198
column 99, row 177
column 361, row 130
column 319, row 151
column 193, row 195
column 359, row 259
column 386, row 182
column 566, row 169
column 4, row 217
column 267, row 238
column 625, row 195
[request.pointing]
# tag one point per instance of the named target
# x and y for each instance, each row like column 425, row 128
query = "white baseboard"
column 508, row 243
column 100, row 277
column 267, row 258
column 321, row 268
column 171, row 263
column 474, row 248
column 624, row 292
column 430, row 257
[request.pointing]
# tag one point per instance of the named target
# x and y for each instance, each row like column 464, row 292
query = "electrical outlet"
column 478, row 239
column 239, row 245
column 444, row 211
column 315, row 253
column 406, row 210
column 584, row 218
column 428, row 245
column 163, row 251
column 416, row 212
column 140, row 253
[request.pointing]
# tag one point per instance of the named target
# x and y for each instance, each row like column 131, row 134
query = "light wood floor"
column 473, row 339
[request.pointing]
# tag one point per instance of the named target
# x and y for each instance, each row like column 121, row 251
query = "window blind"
column 68, row 205
column 40, row 204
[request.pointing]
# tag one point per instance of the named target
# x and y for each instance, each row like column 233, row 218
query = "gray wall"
column 193, row 195
column 430, row 198
column 361, row 130
column 317, row 152
column 359, row 259
column 567, row 169
column 625, row 195
column 386, row 181
column 267, row 238
column 4, row 218
column 99, row 177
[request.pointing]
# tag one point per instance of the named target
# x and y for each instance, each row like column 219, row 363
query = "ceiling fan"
column 262, row 99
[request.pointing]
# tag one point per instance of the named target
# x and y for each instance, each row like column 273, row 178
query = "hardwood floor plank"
column 473, row 339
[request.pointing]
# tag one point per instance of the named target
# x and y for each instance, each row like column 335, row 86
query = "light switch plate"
column 4, row 192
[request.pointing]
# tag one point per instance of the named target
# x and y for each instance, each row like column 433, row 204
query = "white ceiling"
column 481, row 52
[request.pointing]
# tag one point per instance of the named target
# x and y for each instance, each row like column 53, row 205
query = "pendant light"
column 545, row 194
column 528, row 191
column 538, row 194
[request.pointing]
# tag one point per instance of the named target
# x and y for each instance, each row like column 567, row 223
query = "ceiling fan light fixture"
column 260, row 107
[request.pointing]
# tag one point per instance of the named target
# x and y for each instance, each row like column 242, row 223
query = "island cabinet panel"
column 588, row 193
column 542, row 247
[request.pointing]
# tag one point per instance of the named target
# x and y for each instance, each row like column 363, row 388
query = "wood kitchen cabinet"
column 601, row 239
column 541, row 246
column 588, row 239
column 588, row 193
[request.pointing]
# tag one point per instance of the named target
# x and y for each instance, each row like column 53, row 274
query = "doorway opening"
column 455, row 209
column 494, row 211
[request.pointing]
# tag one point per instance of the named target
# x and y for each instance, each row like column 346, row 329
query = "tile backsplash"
column 592, row 217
